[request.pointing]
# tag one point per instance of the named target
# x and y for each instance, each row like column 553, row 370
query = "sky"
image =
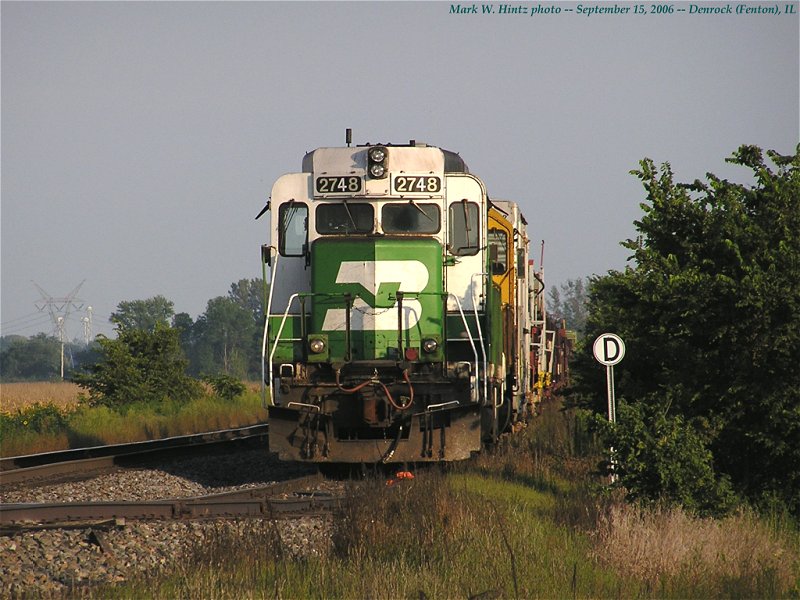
column 140, row 139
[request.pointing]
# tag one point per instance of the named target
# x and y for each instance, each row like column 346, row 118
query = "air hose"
column 386, row 391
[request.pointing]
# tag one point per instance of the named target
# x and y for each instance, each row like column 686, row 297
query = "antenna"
column 348, row 136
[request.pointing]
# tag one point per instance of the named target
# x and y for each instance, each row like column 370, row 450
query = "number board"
column 340, row 184
column 416, row 184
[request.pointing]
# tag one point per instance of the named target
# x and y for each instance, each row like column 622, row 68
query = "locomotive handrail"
column 471, row 343
column 277, row 339
column 441, row 405
column 264, row 339
column 305, row 405
column 480, row 339
column 503, row 384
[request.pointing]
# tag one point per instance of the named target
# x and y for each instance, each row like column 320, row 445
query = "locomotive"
column 405, row 321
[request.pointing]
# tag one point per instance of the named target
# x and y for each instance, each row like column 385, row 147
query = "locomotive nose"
column 371, row 292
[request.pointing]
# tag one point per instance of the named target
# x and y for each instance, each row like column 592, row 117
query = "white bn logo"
column 411, row 275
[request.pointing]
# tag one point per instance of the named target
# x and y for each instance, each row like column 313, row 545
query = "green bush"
column 37, row 418
column 139, row 366
column 225, row 386
column 664, row 458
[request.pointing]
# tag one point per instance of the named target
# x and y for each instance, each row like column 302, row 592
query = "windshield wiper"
column 350, row 215
column 419, row 208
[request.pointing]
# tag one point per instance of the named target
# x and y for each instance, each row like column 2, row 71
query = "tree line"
column 225, row 339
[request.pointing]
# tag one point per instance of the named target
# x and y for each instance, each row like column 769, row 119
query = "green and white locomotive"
column 404, row 321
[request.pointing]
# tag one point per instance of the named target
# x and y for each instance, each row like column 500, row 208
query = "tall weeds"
column 666, row 547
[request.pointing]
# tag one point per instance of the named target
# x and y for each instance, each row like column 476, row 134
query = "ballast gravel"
column 54, row 562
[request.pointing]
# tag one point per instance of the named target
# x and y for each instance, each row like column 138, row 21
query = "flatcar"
column 405, row 321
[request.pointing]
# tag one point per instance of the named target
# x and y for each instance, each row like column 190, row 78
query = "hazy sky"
column 139, row 139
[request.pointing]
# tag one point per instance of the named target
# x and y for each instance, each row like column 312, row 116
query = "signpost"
column 609, row 349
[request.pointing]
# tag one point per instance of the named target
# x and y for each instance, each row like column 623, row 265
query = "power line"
column 13, row 326
column 23, row 317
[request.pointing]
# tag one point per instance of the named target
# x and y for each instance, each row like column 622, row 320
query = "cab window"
column 292, row 229
column 344, row 218
column 498, row 251
column 463, row 229
column 411, row 217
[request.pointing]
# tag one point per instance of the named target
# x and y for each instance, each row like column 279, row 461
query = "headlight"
column 430, row 345
column 377, row 154
column 316, row 345
column 377, row 162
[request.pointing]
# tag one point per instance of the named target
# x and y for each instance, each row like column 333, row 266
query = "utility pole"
column 59, row 309
column 61, row 338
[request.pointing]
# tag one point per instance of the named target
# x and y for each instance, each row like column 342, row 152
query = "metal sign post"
column 609, row 349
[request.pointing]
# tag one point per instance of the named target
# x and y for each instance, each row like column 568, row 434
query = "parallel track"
column 88, row 461
column 284, row 499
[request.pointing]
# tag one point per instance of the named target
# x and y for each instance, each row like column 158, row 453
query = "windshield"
column 345, row 217
column 411, row 217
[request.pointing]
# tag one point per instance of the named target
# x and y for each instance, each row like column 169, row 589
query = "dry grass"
column 14, row 396
column 655, row 545
column 63, row 394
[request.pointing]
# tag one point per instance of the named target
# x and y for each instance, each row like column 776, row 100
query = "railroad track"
column 85, row 462
column 277, row 500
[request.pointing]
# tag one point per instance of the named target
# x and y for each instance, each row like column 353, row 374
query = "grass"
column 526, row 521
column 666, row 547
column 45, row 424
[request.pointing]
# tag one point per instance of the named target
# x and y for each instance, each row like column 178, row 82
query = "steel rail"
column 87, row 461
column 282, row 499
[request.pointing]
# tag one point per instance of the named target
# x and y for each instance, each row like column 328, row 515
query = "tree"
column 710, row 313
column 36, row 358
column 227, row 337
column 183, row 323
column 224, row 337
column 138, row 366
column 570, row 303
column 143, row 314
column 249, row 294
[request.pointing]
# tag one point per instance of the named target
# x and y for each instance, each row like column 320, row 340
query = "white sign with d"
column 609, row 349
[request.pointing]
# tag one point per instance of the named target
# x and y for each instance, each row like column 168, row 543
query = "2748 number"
column 418, row 184
column 338, row 185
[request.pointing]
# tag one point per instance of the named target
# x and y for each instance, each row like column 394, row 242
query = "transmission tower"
column 59, row 309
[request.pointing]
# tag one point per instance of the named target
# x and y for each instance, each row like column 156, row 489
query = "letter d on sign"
column 609, row 349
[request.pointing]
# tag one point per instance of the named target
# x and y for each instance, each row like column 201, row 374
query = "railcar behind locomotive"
column 405, row 321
